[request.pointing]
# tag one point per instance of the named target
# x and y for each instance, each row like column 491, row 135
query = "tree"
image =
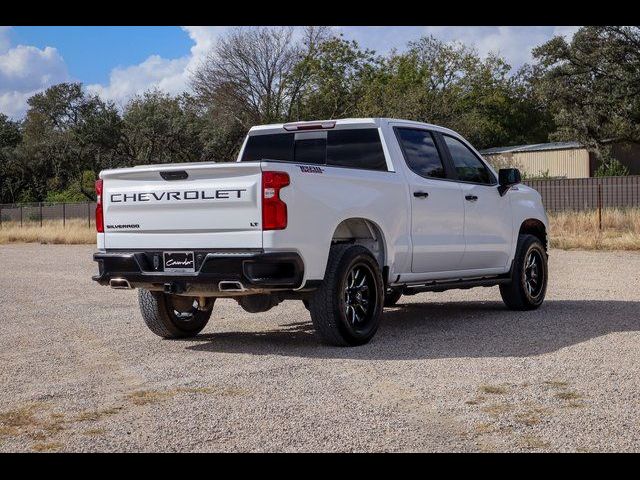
column 592, row 84
column 66, row 133
column 252, row 76
column 335, row 74
column 450, row 85
column 245, row 77
column 11, row 175
column 159, row 128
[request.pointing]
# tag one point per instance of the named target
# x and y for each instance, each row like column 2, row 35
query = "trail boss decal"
column 221, row 194
column 310, row 169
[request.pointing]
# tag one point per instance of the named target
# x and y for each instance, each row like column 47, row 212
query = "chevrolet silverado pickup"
column 344, row 215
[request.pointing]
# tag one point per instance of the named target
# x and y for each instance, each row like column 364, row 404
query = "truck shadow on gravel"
column 446, row 330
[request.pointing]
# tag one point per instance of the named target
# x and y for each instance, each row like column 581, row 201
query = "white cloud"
column 155, row 72
column 168, row 75
column 513, row 43
column 24, row 71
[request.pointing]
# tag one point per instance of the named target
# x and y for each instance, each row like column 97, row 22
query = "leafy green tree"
column 159, row 128
column 335, row 79
column 67, row 132
column 608, row 166
column 452, row 86
column 75, row 190
column 592, row 84
column 11, row 174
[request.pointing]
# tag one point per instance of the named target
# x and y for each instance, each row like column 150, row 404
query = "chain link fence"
column 558, row 195
column 39, row 213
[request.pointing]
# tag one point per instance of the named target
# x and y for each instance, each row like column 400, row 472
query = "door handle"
column 471, row 198
column 420, row 194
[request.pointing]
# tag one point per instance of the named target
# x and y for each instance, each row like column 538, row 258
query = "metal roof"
column 537, row 147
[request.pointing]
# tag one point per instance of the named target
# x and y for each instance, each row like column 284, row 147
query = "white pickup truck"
column 345, row 215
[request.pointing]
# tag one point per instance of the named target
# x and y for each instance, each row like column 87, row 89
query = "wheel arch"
column 537, row 228
column 365, row 232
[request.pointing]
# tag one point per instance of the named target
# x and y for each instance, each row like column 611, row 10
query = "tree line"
column 585, row 89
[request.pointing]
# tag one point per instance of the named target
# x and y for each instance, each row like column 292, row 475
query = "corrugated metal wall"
column 583, row 193
column 569, row 163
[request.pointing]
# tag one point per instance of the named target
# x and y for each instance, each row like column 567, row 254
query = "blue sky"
column 91, row 52
column 119, row 62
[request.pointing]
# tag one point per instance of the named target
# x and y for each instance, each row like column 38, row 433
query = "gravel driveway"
column 451, row 371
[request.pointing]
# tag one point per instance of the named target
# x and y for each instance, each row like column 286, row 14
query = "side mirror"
column 507, row 178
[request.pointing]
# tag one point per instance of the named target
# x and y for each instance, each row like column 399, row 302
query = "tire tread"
column 153, row 307
column 323, row 305
column 512, row 293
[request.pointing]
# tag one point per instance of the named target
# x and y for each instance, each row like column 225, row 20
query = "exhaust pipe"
column 231, row 286
column 120, row 284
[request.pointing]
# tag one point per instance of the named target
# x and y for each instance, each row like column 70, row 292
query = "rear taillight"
column 274, row 210
column 99, row 216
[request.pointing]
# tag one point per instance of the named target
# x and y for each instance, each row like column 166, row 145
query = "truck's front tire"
column 528, row 284
column 347, row 307
column 171, row 317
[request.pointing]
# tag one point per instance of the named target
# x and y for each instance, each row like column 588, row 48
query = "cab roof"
column 343, row 122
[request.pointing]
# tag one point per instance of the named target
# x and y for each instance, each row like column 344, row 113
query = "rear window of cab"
column 353, row 148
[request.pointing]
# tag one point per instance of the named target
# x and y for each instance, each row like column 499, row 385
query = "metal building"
column 560, row 159
column 556, row 160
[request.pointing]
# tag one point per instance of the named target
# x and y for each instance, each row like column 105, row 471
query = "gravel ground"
column 451, row 371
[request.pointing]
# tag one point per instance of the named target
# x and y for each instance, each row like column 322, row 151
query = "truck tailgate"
column 198, row 205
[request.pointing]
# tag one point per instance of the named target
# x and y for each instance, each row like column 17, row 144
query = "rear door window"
column 356, row 148
column 421, row 153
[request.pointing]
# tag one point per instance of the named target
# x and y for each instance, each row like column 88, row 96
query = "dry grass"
column 530, row 417
column 95, row 415
column 47, row 447
column 532, row 442
column 568, row 395
column 19, row 417
column 568, row 231
column 29, row 420
column 52, row 231
column 579, row 230
column 557, row 383
column 498, row 409
column 145, row 397
column 493, row 389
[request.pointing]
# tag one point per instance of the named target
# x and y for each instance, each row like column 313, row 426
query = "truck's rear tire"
column 171, row 317
column 392, row 296
column 529, row 277
column 346, row 308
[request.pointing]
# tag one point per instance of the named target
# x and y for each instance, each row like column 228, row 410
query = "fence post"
column 40, row 214
column 89, row 214
column 0, row 216
column 20, row 216
column 599, row 206
column 64, row 215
